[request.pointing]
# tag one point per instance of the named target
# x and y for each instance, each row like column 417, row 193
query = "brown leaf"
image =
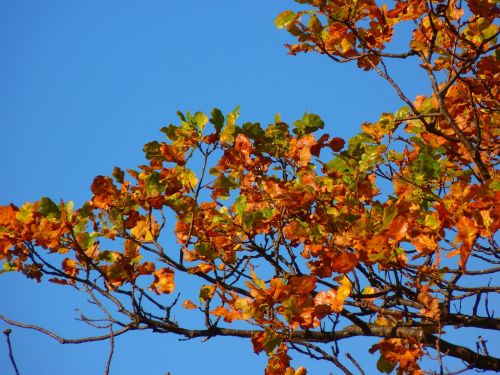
column 336, row 144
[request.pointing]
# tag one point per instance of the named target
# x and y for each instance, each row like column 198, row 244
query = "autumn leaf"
column 70, row 267
column 277, row 227
column 397, row 351
column 105, row 192
column 327, row 301
column 243, row 146
column 146, row 229
column 467, row 231
column 336, row 144
column 431, row 304
column 207, row 292
column 172, row 154
column 146, row 268
column 398, row 228
column 284, row 18
column 8, row 214
column 344, row 262
column 228, row 315
column 131, row 249
column 187, row 304
column 163, row 282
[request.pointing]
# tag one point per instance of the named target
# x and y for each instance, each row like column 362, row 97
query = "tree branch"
column 7, row 333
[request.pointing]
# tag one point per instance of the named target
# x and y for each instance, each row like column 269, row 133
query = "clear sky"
column 84, row 84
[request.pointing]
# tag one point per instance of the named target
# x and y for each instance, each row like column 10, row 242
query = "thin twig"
column 7, row 333
column 111, row 349
column 63, row 340
column 355, row 363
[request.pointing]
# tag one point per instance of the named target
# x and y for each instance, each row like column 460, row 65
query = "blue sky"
column 84, row 84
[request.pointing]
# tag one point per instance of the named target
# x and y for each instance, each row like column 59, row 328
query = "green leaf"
column 233, row 116
column 205, row 250
column 390, row 213
column 495, row 185
column 86, row 240
column 152, row 183
column 428, row 106
column 284, row 18
column 309, row 123
column 339, row 164
column 358, row 145
column 118, row 175
column 109, row 256
column 170, row 131
column 369, row 158
column 240, row 205
column 261, row 284
column 217, row 119
column 427, row 166
column 315, row 24
column 278, row 131
column 24, row 212
column 200, row 119
column 253, row 130
column 268, row 212
column 432, row 222
column 227, row 134
column 181, row 115
column 487, row 29
column 7, row 267
column 187, row 177
column 152, row 150
column 402, row 113
column 206, row 293
column 385, row 366
column 49, row 209
column 224, row 184
column 271, row 342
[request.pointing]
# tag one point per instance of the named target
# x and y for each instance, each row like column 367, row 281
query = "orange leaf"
column 398, row 228
column 70, row 267
column 8, row 215
column 258, row 340
column 328, row 299
column 164, row 281
column 244, row 147
column 467, row 230
column 182, row 231
column 187, row 304
column 344, row 262
column 105, row 192
column 173, row 154
column 229, row 316
column 146, row 268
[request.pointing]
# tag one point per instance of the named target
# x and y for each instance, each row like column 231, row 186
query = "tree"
column 300, row 240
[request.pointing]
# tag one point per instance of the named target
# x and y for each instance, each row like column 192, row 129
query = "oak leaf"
column 163, row 282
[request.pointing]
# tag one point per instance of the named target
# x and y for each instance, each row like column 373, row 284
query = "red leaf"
column 336, row 144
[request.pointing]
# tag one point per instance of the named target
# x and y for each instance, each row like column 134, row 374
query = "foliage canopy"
column 301, row 237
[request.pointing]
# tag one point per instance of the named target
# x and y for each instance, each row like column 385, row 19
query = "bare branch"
column 7, row 333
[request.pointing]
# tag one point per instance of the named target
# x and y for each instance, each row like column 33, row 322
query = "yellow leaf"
column 145, row 230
